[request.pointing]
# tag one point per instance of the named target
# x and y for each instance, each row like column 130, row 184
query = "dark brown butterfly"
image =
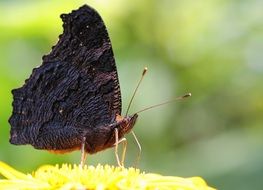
column 73, row 100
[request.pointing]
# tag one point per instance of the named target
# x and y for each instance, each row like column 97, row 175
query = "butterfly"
column 73, row 100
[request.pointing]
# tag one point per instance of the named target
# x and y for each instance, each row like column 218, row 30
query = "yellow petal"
column 70, row 177
column 22, row 184
column 10, row 173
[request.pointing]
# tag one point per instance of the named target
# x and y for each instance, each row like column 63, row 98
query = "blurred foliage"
column 210, row 48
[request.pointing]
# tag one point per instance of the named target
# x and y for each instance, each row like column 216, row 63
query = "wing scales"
column 75, row 88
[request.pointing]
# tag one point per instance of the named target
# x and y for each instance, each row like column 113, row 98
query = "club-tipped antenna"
column 143, row 74
column 167, row 102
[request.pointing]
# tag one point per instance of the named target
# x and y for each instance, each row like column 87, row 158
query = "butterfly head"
column 126, row 123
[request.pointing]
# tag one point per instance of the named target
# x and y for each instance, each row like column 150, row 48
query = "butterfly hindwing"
column 74, row 91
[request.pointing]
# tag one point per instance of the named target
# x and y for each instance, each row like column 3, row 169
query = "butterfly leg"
column 140, row 149
column 83, row 152
column 116, row 147
column 124, row 142
column 117, row 142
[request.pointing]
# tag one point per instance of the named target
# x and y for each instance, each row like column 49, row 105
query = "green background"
column 210, row 48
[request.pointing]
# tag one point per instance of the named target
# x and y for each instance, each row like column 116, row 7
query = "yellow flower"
column 98, row 178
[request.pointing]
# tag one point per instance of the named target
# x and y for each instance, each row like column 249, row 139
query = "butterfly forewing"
column 75, row 88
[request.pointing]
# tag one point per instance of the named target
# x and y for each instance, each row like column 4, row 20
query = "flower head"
column 100, row 177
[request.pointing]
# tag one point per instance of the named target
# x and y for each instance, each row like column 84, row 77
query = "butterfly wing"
column 75, row 90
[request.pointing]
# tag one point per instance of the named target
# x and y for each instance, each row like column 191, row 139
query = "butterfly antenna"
column 167, row 102
column 143, row 74
column 157, row 105
column 127, row 111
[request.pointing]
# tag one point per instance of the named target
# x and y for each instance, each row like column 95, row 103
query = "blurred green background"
column 210, row 48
